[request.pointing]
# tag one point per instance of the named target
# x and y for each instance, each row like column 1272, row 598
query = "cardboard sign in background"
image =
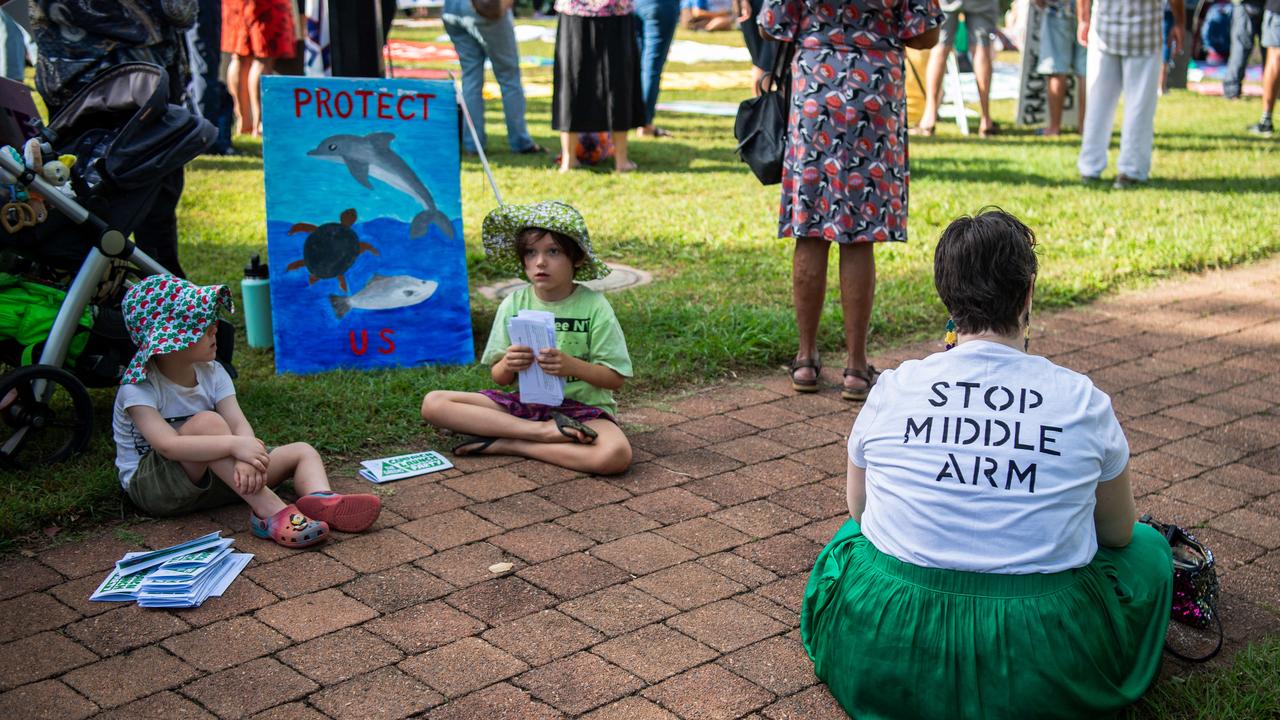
column 364, row 223
column 1033, row 88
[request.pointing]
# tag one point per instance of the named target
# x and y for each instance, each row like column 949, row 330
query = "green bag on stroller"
column 27, row 312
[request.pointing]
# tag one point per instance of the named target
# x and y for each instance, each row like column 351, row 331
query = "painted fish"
column 385, row 293
column 372, row 155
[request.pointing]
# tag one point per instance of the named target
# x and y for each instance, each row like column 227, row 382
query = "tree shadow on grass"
column 1233, row 185
column 983, row 170
column 223, row 163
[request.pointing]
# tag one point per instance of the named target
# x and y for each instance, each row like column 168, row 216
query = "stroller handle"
column 51, row 195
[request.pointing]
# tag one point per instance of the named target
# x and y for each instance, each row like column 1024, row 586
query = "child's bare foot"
column 566, row 168
column 626, row 167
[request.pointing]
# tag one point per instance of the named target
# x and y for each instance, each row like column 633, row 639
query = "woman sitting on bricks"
column 992, row 566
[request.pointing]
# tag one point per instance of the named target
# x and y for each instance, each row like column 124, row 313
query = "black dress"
column 597, row 75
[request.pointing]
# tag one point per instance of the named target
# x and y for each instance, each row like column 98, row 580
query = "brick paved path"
column 671, row 591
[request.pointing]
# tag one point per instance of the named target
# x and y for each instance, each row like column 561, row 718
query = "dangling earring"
column 1026, row 335
column 950, row 338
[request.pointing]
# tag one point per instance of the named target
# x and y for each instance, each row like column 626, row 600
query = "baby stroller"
column 61, row 327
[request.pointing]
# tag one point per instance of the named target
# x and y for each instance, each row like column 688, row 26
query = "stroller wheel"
column 46, row 413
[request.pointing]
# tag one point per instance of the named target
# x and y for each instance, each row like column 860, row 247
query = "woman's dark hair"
column 983, row 268
column 568, row 245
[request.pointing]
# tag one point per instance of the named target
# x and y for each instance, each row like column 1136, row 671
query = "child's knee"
column 300, row 450
column 295, row 454
column 433, row 404
column 616, row 458
column 205, row 422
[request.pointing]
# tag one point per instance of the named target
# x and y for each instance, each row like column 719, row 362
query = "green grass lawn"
column 1245, row 689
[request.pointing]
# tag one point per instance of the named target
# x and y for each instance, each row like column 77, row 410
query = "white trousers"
column 1108, row 76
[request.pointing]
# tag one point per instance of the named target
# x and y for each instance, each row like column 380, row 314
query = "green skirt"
column 895, row 640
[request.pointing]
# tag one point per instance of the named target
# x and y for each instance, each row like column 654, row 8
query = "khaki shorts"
column 160, row 487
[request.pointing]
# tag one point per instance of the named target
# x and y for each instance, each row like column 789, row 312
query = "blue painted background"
column 309, row 337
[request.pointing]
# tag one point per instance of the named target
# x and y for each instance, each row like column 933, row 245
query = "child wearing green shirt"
column 547, row 243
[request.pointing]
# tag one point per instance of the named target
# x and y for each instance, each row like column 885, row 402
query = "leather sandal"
column 867, row 376
column 566, row 425
column 481, row 444
column 805, row 386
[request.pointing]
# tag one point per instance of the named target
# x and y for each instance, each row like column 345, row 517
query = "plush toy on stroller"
column 71, row 194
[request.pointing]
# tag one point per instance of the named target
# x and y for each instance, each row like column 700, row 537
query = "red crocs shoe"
column 289, row 528
column 345, row 513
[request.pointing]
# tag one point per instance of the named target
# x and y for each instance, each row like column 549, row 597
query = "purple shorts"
column 571, row 408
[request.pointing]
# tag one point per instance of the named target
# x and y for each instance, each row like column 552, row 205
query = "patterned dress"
column 844, row 174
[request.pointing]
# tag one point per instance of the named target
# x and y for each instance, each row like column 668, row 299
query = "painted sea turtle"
column 330, row 249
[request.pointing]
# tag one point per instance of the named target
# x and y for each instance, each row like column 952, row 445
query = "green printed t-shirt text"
column 586, row 328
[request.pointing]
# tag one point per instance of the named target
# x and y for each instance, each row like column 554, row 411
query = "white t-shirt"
column 174, row 402
column 986, row 459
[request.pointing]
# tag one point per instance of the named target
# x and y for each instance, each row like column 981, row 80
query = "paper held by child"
column 403, row 466
column 536, row 329
column 182, row 578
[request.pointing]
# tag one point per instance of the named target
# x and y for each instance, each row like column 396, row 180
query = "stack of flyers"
column 403, row 466
column 184, row 575
column 191, row 586
column 133, row 562
column 536, row 329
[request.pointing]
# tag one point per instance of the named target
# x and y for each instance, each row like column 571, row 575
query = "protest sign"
column 364, row 223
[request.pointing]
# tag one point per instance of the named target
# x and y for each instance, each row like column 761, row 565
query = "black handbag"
column 761, row 124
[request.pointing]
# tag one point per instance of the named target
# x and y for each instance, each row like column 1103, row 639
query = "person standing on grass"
column 1270, row 71
column 256, row 33
column 1060, row 56
column 477, row 39
column 980, row 17
column 844, row 170
column 1123, row 38
column 1246, row 26
column 596, row 85
column 654, row 32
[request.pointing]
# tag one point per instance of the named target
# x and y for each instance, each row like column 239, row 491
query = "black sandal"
column 481, row 441
column 564, row 424
column 805, row 386
column 867, row 376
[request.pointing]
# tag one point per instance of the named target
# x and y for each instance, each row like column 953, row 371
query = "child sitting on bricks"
column 547, row 243
column 182, row 441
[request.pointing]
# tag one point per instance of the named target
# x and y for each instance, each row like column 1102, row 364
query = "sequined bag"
column 1195, row 586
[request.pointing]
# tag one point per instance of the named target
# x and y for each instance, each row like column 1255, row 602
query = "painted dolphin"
column 385, row 293
column 372, row 155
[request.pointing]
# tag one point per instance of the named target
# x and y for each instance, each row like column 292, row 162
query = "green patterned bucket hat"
column 505, row 223
column 166, row 314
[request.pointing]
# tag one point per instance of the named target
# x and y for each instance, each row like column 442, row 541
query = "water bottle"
column 256, row 291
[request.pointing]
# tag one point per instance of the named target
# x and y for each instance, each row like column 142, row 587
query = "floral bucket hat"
column 505, row 223
column 166, row 314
